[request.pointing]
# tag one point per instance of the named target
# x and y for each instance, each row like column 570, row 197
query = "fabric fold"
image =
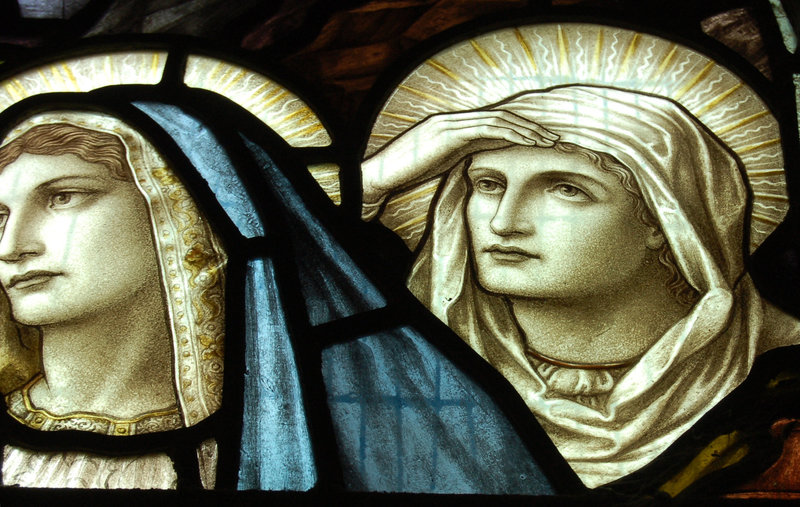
column 694, row 187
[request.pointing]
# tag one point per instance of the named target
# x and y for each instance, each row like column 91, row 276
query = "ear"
column 655, row 238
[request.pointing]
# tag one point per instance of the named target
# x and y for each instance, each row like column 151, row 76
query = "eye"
column 66, row 199
column 60, row 199
column 570, row 192
column 488, row 186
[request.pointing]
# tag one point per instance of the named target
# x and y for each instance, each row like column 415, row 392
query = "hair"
column 57, row 139
column 677, row 285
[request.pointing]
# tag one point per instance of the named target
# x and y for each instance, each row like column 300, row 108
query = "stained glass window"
column 355, row 251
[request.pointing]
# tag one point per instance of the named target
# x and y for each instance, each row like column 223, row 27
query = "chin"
column 39, row 315
column 506, row 284
column 31, row 318
column 521, row 283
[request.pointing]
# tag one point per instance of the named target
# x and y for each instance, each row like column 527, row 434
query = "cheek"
column 134, row 241
column 615, row 241
column 566, row 230
column 480, row 211
column 568, row 226
column 117, row 240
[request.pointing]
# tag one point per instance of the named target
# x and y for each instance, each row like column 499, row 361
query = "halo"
column 84, row 74
column 274, row 105
column 492, row 67
column 278, row 108
column 283, row 111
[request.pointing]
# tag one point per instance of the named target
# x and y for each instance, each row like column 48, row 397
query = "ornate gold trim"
column 21, row 408
column 191, row 259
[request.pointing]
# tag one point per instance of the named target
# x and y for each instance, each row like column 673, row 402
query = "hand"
column 439, row 142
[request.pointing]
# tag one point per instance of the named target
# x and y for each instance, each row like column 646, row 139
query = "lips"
column 510, row 253
column 31, row 279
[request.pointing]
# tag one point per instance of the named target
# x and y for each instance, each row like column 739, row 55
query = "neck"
column 116, row 363
column 613, row 328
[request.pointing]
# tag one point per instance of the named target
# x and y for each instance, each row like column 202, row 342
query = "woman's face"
column 545, row 224
column 74, row 241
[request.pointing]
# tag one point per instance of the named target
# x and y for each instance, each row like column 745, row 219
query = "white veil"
column 694, row 187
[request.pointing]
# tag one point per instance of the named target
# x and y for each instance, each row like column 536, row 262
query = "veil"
column 693, row 185
column 191, row 261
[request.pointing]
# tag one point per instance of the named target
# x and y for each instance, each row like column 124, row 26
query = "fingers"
column 491, row 132
column 497, row 128
column 508, row 116
column 433, row 145
column 496, row 125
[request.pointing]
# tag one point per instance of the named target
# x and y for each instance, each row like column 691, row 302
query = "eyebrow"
column 476, row 168
column 70, row 179
column 74, row 179
column 573, row 175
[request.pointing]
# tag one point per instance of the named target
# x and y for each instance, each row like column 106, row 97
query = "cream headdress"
column 192, row 263
column 701, row 145
column 694, row 187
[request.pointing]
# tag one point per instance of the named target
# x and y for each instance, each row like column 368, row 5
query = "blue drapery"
column 405, row 418
column 408, row 420
column 276, row 447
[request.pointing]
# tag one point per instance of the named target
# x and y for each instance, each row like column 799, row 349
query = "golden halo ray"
column 489, row 68
column 277, row 107
column 281, row 110
column 84, row 74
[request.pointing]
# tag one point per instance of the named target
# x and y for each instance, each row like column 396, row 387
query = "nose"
column 19, row 240
column 511, row 217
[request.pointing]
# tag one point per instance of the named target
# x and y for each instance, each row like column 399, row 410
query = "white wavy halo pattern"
column 273, row 104
column 489, row 68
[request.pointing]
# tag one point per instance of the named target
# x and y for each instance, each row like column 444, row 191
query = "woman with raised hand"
column 589, row 243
